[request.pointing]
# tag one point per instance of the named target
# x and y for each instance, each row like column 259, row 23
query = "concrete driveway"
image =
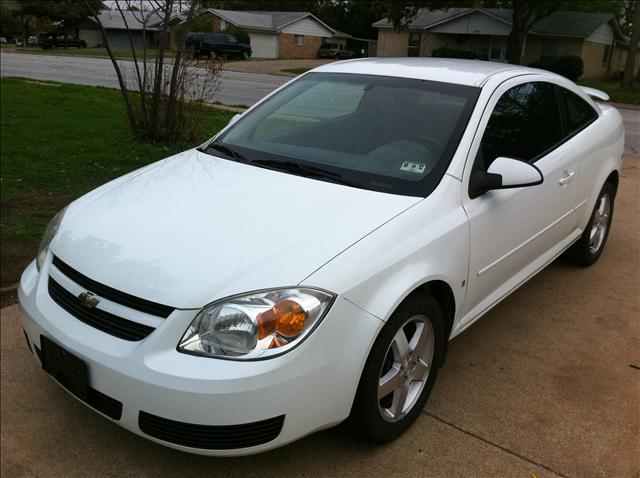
column 546, row 384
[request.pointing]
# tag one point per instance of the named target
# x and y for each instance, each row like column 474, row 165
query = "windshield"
column 387, row 134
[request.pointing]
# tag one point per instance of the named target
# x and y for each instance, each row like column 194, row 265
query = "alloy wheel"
column 406, row 368
column 600, row 223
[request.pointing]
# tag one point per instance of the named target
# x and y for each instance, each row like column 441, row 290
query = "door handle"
column 567, row 177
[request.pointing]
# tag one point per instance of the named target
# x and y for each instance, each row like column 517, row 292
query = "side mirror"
column 504, row 173
column 234, row 118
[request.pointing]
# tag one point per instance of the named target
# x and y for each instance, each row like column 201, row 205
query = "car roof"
column 447, row 70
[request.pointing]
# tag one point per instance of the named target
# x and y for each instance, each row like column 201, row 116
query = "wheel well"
column 443, row 294
column 614, row 179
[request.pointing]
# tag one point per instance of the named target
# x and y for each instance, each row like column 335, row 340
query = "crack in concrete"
column 496, row 445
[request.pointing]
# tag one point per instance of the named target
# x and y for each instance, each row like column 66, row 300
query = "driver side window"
column 524, row 124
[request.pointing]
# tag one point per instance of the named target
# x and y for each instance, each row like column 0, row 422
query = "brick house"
column 277, row 34
column 595, row 37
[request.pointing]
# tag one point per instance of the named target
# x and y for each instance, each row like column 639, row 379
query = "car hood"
column 195, row 228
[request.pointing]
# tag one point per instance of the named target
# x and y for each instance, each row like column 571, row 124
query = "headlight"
column 256, row 325
column 47, row 237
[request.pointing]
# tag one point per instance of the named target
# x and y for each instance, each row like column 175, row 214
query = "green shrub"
column 569, row 66
column 444, row 52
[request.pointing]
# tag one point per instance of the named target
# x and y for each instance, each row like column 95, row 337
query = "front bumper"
column 312, row 386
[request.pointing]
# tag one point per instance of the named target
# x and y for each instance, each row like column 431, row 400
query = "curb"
column 235, row 109
column 9, row 288
column 624, row 106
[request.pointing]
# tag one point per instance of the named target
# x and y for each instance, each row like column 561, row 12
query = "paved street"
column 237, row 88
column 632, row 131
column 546, row 384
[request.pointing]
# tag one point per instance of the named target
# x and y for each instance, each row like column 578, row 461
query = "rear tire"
column 400, row 371
column 589, row 247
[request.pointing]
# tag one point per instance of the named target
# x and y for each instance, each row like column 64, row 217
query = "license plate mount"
column 65, row 367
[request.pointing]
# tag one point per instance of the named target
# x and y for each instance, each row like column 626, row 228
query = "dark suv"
column 60, row 40
column 213, row 45
column 334, row 50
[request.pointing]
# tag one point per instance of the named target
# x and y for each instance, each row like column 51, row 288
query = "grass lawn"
column 57, row 142
column 615, row 91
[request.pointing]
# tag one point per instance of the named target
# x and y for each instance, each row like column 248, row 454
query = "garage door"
column 264, row 45
column 92, row 37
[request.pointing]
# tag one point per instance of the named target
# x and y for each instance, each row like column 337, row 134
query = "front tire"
column 401, row 370
column 589, row 247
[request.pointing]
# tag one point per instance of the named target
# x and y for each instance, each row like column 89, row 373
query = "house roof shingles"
column 568, row 24
column 112, row 20
column 264, row 20
column 572, row 24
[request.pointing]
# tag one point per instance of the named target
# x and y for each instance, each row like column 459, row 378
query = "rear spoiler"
column 595, row 94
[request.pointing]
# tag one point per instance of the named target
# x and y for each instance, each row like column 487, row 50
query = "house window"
column 498, row 48
column 298, row 39
column 414, row 44
column 606, row 54
column 223, row 24
column 549, row 49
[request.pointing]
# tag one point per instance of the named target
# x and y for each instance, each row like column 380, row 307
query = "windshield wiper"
column 232, row 153
column 283, row 165
column 303, row 170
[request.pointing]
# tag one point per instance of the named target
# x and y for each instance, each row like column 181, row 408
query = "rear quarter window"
column 579, row 113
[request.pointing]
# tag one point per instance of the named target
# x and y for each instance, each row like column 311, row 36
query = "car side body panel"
column 602, row 146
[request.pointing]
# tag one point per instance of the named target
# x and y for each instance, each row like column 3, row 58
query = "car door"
column 514, row 232
column 233, row 45
column 225, row 45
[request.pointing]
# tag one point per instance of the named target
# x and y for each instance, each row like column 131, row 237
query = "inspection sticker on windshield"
column 412, row 167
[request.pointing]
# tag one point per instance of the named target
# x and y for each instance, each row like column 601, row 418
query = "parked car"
column 60, row 40
column 334, row 50
column 215, row 45
column 3, row 40
column 313, row 259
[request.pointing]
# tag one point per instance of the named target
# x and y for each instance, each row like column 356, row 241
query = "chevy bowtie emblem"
column 88, row 299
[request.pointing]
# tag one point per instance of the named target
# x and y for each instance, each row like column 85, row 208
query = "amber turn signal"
column 287, row 318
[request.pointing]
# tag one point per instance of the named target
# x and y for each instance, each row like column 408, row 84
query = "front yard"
column 59, row 141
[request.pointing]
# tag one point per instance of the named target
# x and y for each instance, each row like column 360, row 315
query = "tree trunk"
column 159, row 68
column 173, row 89
column 123, row 87
column 25, row 26
column 518, row 32
column 629, row 69
column 137, row 67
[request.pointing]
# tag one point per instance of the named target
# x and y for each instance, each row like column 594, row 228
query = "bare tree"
column 165, row 100
column 627, row 77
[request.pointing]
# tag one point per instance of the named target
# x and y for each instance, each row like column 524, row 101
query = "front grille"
column 100, row 319
column 210, row 437
column 111, row 294
column 98, row 400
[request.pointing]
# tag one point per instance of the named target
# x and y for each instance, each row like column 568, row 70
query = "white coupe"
column 312, row 260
